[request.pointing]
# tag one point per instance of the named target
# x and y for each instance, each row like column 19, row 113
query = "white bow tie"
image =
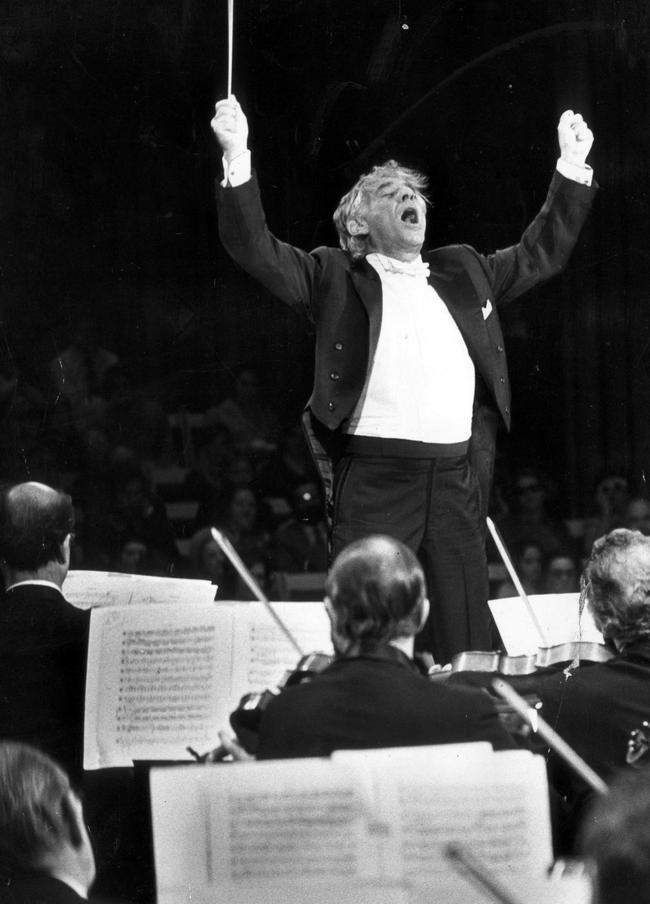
column 408, row 268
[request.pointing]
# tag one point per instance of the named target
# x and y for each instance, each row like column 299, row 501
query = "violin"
column 246, row 719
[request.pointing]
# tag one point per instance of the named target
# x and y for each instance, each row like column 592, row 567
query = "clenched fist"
column 575, row 138
column 230, row 127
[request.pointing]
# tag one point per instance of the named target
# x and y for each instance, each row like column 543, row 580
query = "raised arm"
column 546, row 245
column 286, row 271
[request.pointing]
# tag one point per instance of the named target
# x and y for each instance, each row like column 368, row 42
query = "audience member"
column 597, row 709
column 616, row 841
column 373, row 695
column 133, row 511
column 527, row 560
column 43, row 639
column 133, row 557
column 243, row 524
column 27, row 440
column 300, row 544
column 253, row 424
column 290, row 466
column 77, row 373
column 530, row 520
column 207, row 480
column 208, row 562
column 637, row 515
column 45, row 853
column 610, row 499
column 561, row 574
column 133, row 420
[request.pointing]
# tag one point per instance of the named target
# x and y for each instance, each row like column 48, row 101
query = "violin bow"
column 463, row 859
column 232, row 554
column 514, row 577
column 552, row 738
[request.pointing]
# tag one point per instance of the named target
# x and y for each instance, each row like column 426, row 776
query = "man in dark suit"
column 43, row 639
column 616, row 841
column 373, row 694
column 45, row 853
column 410, row 369
column 603, row 711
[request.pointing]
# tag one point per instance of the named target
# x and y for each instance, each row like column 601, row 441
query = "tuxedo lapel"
column 368, row 286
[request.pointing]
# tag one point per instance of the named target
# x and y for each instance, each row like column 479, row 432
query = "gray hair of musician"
column 375, row 589
column 617, row 584
column 32, row 788
column 354, row 203
column 615, row 837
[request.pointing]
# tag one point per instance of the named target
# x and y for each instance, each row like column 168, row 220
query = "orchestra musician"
column 602, row 711
column 410, row 371
column 373, row 694
column 616, row 841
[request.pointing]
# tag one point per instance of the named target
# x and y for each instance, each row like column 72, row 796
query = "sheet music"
column 263, row 653
column 345, row 828
column 558, row 614
column 495, row 803
column 158, row 680
column 163, row 677
column 268, row 828
column 89, row 589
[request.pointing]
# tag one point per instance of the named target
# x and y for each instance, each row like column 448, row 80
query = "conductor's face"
column 396, row 219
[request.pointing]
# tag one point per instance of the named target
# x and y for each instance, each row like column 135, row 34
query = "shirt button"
column 331, row 406
column 502, row 379
column 499, row 348
column 338, row 346
column 334, row 376
column 507, row 410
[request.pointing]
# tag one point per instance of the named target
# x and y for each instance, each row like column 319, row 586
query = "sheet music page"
column 158, row 680
column 558, row 614
column 497, row 806
column 263, row 652
column 89, row 589
column 257, row 832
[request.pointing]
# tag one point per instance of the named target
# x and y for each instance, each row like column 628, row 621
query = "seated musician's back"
column 600, row 710
column 373, row 694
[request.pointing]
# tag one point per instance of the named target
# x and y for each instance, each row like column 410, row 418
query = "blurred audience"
column 243, row 525
column 134, row 511
column 131, row 419
column 561, row 573
column 77, row 373
column 300, row 543
column 207, row 481
column 530, row 519
column 527, row 559
column 637, row 515
column 607, row 509
column 291, row 465
column 252, row 423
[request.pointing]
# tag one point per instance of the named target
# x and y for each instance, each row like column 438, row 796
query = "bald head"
column 376, row 591
column 35, row 522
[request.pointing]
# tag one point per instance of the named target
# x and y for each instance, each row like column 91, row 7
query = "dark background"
column 107, row 167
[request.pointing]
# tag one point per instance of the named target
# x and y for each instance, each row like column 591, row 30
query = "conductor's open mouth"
column 410, row 215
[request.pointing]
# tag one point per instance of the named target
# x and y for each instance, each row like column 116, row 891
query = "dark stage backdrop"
column 107, row 164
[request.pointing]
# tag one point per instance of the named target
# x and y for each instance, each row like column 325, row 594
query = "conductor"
column 410, row 369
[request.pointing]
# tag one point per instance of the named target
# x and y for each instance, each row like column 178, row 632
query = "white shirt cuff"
column 574, row 171
column 238, row 170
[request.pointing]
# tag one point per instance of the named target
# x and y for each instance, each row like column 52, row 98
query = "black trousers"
column 431, row 505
